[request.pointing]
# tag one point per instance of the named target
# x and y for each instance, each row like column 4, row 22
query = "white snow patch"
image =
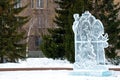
column 48, row 74
column 37, row 63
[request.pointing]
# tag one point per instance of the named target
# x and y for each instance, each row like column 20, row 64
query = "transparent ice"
column 90, row 41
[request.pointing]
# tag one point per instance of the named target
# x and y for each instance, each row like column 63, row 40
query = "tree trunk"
column 2, row 60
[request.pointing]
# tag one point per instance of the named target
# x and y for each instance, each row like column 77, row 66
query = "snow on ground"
column 42, row 63
column 47, row 74
column 38, row 63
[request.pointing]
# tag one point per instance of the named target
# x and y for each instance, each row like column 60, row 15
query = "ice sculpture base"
column 96, row 70
column 92, row 67
column 97, row 73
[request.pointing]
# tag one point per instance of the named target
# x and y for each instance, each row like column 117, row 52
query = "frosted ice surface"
column 90, row 41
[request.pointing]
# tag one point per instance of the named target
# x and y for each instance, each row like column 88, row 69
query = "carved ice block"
column 90, row 41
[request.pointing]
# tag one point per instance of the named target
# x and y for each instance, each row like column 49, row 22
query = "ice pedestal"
column 98, row 70
column 98, row 73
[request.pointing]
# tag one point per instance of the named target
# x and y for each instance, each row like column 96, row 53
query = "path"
column 30, row 69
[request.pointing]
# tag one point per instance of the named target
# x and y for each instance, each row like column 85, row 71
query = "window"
column 32, row 3
column 38, row 41
column 19, row 4
column 39, row 4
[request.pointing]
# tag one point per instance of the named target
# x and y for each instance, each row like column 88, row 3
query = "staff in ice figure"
column 76, row 22
column 76, row 32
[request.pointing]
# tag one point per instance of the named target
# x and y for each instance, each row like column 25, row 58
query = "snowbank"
column 48, row 74
column 38, row 63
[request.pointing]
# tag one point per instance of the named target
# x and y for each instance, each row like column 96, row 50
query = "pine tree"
column 53, row 46
column 62, row 36
column 11, row 32
column 107, row 12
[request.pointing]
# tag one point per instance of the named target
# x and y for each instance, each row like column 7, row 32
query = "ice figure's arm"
column 103, row 38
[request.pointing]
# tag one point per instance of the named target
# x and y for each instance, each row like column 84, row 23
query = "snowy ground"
column 48, row 74
column 37, row 63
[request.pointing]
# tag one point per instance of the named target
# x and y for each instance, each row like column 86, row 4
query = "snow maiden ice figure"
column 90, row 42
column 99, row 41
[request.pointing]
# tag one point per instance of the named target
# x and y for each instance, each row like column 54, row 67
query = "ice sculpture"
column 90, row 42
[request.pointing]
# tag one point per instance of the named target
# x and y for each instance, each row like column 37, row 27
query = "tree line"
column 12, row 35
column 60, row 42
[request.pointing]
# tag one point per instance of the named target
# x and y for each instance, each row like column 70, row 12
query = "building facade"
column 41, row 13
